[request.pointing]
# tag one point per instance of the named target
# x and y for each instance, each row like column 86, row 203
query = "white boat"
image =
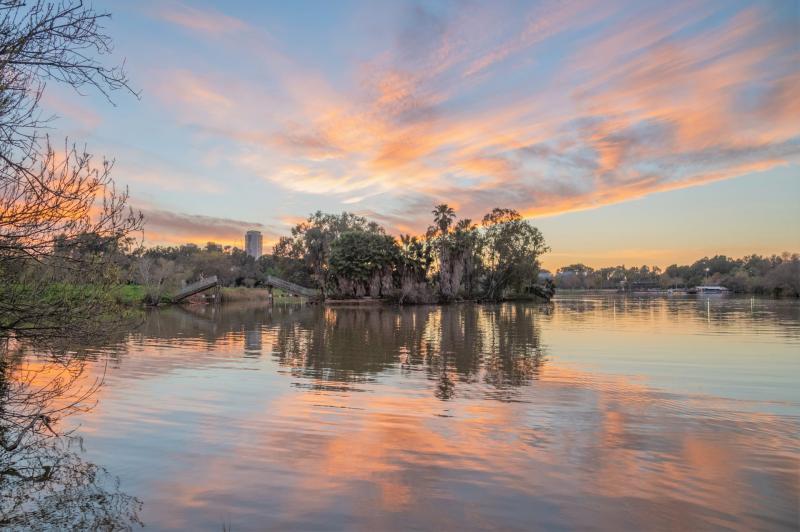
column 711, row 290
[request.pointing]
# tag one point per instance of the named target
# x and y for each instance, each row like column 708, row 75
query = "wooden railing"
column 277, row 282
column 196, row 287
column 292, row 288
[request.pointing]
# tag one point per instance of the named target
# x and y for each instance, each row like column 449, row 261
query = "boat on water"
column 709, row 289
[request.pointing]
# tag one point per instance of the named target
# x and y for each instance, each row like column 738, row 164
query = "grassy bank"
column 130, row 294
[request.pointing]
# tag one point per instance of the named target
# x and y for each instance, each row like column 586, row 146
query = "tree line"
column 777, row 275
column 348, row 256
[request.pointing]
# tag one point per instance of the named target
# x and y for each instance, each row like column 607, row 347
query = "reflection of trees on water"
column 719, row 312
column 49, row 486
column 210, row 323
column 45, row 484
column 494, row 345
column 498, row 345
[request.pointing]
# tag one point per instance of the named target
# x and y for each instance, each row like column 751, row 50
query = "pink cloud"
column 639, row 106
column 206, row 21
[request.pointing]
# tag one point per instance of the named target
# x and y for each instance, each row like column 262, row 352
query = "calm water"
column 596, row 412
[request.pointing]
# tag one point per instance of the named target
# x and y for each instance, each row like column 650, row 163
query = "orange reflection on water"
column 451, row 417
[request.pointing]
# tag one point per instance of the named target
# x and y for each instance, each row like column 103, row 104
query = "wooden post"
column 269, row 297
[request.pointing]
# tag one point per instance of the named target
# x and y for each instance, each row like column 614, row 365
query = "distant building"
column 253, row 243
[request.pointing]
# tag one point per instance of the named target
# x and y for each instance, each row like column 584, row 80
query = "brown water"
column 595, row 412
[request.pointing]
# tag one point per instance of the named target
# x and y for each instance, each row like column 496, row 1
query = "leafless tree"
column 157, row 275
column 62, row 223
column 50, row 200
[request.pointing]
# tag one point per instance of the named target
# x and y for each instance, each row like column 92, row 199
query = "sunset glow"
column 399, row 265
column 255, row 114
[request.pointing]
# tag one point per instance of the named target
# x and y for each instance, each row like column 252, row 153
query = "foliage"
column 362, row 262
column 413, row 264
column 455, row 248
column 130, row 294
column 158, row 276
column 290, row 269
column 443, row 216
column 510, row 249
column 775, row 275
column 349, row 256
column 62, row 222
column 65, row 232
column 170, row 266
column 311, row 241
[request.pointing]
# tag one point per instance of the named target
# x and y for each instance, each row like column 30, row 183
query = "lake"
column 594, row 412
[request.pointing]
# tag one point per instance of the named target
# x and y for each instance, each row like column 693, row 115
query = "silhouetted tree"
column 311, row 241
column 511, row 247
column 53, row 205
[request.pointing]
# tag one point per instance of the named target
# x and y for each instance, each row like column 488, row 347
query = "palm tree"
column 443, row 216
column 464, row 225
column 466, row 241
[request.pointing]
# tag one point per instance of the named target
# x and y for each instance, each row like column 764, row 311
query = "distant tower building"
column 252, row 243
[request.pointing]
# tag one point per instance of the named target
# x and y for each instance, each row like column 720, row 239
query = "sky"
column 628, row 132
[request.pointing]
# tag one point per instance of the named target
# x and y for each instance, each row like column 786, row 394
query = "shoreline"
column 261, row 295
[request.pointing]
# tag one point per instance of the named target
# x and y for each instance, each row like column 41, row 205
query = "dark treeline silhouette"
column 777, row 275
column 348, row 256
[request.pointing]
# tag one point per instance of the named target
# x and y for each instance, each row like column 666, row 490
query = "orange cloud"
column 642, row 102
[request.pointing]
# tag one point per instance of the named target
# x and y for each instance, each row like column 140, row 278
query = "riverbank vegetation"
column 350, row 257
column 63, row 223
column 776, row 275
column 347, row 256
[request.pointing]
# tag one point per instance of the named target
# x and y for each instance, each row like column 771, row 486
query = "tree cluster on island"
column 348, row 256
column 367, row 261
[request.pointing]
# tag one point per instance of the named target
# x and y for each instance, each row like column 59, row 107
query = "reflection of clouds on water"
column 735, row 347
column 685, row 313
column 465, row 416
column 600, row 454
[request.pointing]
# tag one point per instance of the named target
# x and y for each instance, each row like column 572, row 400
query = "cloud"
column 563, row 108
column 156, row 178
column 543, row 22
column 66, row 105
column 166, row 227
column 205, row 21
